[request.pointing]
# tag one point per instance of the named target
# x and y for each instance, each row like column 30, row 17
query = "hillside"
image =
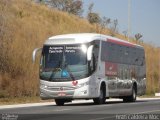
column 25, row 25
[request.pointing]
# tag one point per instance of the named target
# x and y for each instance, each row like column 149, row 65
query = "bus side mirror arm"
column 34, row 54
column 89, row 53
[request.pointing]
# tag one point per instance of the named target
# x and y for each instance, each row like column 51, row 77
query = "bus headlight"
column 43, row 86
column 83, row 84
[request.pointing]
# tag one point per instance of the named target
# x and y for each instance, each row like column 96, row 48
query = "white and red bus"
column 91, row 66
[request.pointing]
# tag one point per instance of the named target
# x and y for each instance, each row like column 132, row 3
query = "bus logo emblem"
column 61, row 88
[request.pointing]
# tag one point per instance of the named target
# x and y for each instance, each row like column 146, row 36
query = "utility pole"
column 158, row 94
column 129, row 19
column 159, row 69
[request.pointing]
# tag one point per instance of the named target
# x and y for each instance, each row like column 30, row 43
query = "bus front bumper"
column 64, row 94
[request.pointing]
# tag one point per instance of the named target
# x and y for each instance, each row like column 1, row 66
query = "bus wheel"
column 59, row 102
column 131, row 98
column 101, row 99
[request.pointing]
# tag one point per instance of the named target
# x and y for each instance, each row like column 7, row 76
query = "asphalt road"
column 85, row 110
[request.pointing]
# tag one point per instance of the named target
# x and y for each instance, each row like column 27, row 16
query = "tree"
column 58, row 4
column 114, row 27
column 75, row 8
column 125, row 33
column 105, row 22
column 71, row 6
column 138, row 36
column 90, row 8
column 115, row 24
column 92, row 16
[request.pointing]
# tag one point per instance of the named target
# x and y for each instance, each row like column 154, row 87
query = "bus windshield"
column 64, row 63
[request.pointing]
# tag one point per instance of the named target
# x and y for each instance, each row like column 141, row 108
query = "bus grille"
column 60, row 88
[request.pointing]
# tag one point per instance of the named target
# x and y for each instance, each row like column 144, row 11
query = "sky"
column 145, row 16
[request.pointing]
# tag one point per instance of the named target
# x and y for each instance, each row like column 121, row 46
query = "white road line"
column 103, row 118
column 148, row 112
column 156, row 98
column 62, row 110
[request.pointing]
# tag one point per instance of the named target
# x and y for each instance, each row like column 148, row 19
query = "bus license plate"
column 61, row 94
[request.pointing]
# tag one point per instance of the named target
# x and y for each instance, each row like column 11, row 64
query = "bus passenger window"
column 93, row 63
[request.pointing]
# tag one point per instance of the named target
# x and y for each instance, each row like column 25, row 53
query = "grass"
column 22, row 100
column 25, row 25
column 19, row 100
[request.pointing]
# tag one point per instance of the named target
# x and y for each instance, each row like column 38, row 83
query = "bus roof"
column 85, row 38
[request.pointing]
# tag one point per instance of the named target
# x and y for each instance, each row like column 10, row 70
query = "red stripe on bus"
column 121, row 43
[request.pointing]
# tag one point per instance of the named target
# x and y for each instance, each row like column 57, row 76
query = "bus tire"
column 132, row 97
column 101, row 99
column 59, row 102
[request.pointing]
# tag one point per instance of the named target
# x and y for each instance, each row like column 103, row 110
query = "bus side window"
column 120, row 54
column 142, row 58
column 123, row 54
column 143, row 61
column 92, row 64
column 95, row 56
column 135, row 57
column 121, row 73
column 110, row 52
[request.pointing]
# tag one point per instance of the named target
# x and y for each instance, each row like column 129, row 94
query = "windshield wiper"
column 57, row 68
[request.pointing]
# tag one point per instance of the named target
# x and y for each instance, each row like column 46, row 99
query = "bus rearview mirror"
column 89, row 53
column 34, row 54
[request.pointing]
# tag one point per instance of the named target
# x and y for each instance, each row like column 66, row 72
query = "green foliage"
column 71, row 6
column 93, row 18
column 138, row 37
column 105, row 22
